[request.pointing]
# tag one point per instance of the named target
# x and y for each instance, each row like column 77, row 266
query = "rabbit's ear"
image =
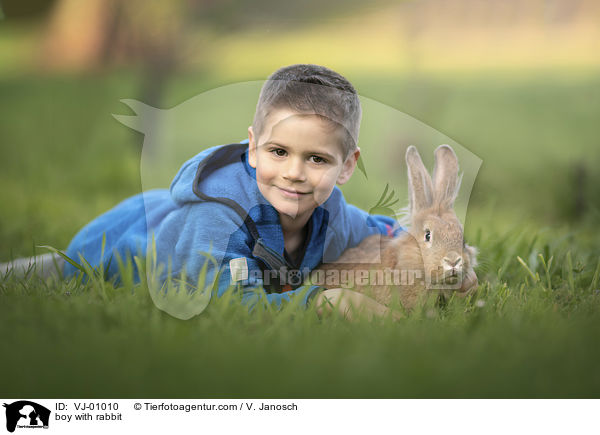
column 445, row 176
column 419, row 182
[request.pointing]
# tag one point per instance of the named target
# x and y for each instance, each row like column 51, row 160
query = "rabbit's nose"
column 452, row 263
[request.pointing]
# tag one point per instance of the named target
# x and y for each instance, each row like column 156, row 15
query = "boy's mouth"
column 291, row 193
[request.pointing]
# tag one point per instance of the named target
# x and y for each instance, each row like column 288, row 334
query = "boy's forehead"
column 275, row 116
column 278, row 116
column 287, row 125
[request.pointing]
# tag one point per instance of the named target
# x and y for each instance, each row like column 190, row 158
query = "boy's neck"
column 294, row 232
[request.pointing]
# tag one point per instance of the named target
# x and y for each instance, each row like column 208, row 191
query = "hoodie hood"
column 216, row 172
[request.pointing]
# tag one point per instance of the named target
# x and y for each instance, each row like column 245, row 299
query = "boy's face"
column 298, row 160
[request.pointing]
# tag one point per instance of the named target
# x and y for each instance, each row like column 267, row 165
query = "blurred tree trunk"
column 95, row 34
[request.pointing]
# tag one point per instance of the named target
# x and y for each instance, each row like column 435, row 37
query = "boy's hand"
column 350, row 302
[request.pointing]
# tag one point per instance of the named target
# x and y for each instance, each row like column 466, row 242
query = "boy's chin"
column 288, row 213
column 294, row 209
column 292, row 213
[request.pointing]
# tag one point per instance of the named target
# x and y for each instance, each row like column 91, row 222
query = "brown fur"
column 431, row 202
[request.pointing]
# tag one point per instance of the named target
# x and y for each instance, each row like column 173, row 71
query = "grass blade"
column 594, row 282
column 64, row 257
column 570, row 273
column 535, row 277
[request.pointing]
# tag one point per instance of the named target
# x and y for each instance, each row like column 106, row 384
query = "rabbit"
column 430, row 257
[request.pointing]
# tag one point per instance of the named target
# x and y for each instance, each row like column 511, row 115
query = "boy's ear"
column 251, row 148
column 349, row 166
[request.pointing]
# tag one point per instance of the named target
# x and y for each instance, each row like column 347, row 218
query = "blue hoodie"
column 214, row 206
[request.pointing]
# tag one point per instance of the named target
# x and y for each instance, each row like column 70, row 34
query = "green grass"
column 516, row 337
column 530, row 331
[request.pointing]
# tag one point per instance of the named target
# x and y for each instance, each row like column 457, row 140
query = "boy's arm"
column 253, row 295
column 349, row 225
column 365, row 224
column 216, row 230
column 350, row 303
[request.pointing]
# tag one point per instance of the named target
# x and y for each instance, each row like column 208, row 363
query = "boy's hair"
column 311, row 89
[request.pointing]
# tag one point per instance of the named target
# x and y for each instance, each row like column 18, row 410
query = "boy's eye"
column 317, row 159
column 279, row 152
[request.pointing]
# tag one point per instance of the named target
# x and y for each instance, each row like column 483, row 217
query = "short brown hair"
column 311, row 89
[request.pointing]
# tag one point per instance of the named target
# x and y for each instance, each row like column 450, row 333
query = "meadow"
column 531, row 329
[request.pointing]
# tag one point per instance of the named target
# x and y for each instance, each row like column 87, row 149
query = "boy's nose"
column 294, row 170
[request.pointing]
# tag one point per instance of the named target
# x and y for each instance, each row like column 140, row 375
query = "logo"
column 239, row 269
column 26, row 414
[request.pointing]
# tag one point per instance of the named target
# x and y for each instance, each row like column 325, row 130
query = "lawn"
column 529, row 331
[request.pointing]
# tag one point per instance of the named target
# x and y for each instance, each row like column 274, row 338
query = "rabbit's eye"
column 427, row 236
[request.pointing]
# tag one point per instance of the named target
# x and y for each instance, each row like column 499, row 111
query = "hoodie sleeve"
column 214, row 234
column 374, row 223
column 350, row 225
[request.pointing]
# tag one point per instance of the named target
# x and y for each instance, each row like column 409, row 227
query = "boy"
column 266, row 209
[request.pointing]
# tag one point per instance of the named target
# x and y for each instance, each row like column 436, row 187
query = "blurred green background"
column 515, row 82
